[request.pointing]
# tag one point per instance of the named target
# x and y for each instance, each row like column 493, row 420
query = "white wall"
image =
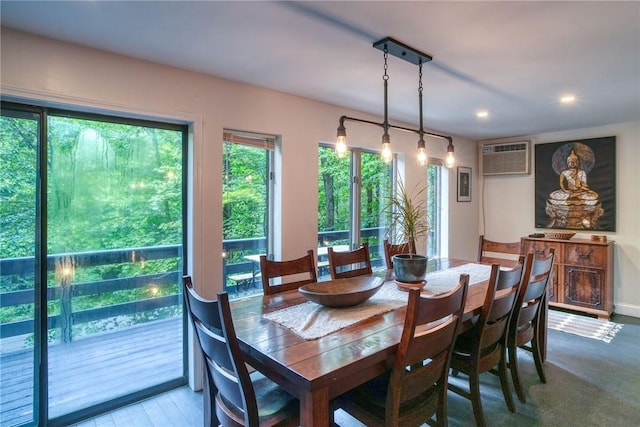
column 517, row 192
column 43, row 69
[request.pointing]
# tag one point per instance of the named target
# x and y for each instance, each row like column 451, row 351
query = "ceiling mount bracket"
column 402, row 51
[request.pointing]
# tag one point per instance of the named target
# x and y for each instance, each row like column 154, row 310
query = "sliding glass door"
column 20, row 331
column 92, row 253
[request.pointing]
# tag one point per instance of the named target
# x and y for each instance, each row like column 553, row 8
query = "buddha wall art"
column 576, row 184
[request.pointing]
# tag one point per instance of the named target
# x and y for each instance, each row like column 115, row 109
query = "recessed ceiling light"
column 568, row 99
column 482, row 114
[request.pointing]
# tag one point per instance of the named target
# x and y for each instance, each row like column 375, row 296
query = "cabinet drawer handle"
column 584, row 255
column 539, row 252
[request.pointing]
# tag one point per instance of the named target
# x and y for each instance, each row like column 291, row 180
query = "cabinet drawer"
column 541, row 248
column 585, row 255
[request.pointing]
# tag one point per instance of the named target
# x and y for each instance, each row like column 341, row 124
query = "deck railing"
column 65, row 290
column 60, row 267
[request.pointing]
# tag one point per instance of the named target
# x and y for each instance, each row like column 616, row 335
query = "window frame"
column 355, row 190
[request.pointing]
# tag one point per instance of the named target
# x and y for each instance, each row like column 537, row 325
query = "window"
column 437, row 185
column 375, row 188
column 351, row 196
column 352, row 192
column 247, row 203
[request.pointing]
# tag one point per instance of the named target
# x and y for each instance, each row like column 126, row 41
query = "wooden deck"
column 93, row 369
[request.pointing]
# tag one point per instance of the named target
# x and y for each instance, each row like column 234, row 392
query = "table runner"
column 311, row 321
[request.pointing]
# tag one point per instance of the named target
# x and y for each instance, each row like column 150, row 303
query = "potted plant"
column 408, row 221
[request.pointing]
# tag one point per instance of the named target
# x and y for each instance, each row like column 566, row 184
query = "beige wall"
column 71, row 75
column 518, row 191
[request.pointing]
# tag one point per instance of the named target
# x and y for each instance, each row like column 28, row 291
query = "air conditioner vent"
column 505, row 159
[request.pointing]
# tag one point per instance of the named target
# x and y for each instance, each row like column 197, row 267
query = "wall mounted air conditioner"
column 510, row 158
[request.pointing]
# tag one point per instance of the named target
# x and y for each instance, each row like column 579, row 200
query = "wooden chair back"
column 421, row 367
column 525, row 321
column 303, row 268
column 483, row 347
column 534, row 285
column 390, row 250
column 497, row 309
column 416, row 387
column 505, row 254
column 349, row 263
column 231, row 389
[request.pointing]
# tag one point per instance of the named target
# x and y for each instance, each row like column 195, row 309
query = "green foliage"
column 409, row 219
column 334, row 190
column 18, row 144
column 244, row 197
column 109, row 186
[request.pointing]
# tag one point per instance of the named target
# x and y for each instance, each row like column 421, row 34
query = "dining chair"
column 297, row 272
column 416, row 388
column 239, row 398
column 390, row 250
column 483, row 347
column 505, row 254
column 525, row 325
column 349, row 263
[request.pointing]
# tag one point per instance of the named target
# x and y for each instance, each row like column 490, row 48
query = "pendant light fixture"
column 409, row 54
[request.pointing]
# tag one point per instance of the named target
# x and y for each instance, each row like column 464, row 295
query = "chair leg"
column 441, row 412
column 515, row 376
column 537, row 358
column 504, row 383
column 474, row 391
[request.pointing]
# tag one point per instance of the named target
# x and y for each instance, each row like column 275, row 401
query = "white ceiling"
column 514, row 59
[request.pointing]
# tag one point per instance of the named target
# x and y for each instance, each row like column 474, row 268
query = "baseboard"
column 627, row 310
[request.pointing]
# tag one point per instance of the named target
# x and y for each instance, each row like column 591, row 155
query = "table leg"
column 314, row 408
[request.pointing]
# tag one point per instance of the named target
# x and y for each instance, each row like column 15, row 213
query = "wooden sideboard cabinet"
column 582, row 274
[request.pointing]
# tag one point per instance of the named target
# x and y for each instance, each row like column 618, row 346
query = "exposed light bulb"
column 450, row 160
column 341, row 146
column 386, row 152
column 422, row 156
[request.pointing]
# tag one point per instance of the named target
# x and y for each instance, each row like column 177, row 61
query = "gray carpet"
column 589, row 383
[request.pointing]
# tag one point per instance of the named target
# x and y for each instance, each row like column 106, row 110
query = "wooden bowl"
column 559, row 235
column 342, row 292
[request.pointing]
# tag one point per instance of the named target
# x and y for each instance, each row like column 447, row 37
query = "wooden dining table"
column 318, row 370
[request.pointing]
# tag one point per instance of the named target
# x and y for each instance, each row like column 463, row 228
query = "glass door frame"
column 40, row 313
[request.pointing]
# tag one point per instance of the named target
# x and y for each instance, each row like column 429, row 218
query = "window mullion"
column 356, row 190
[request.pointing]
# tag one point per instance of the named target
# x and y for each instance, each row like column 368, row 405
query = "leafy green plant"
column 407, row 215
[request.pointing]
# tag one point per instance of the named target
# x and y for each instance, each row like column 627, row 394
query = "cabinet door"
column 584, row 286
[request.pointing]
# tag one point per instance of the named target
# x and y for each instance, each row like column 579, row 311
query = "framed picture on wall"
column 464, row 184
column 575, row 186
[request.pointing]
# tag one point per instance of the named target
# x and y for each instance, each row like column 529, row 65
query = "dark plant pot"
column 409, row 268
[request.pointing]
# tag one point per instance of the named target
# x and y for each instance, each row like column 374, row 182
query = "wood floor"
column 575, row 393
column 177, row 408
